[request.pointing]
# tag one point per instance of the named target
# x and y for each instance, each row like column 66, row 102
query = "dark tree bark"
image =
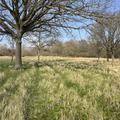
column 18, row 54
column 12, row 58
column 112, row 54
column 108, row 54
column 108, row 57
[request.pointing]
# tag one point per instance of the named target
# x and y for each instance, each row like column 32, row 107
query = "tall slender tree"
column 42, row 40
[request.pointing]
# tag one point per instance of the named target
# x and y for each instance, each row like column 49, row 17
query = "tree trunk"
column 108, row 54
column 108, row 57
column 18, row 55
column 112, row 53
column 38, row 56
column 112, row 56
column 12, row 58
column 98, row 59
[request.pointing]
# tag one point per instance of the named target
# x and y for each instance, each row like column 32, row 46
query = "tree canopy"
column 18, row 17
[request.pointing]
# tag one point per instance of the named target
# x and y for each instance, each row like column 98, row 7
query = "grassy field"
column 60, row 89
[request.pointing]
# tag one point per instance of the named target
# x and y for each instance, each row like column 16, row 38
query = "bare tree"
column 108, row 32
column 41, row 40
column 98, row 46
column 18, row 17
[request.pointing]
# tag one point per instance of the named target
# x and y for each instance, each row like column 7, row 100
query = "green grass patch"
column 59, row 90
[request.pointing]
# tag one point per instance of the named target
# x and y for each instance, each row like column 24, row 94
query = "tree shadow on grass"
column 82, row 91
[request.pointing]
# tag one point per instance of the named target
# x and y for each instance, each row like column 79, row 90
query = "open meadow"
column 60, row 88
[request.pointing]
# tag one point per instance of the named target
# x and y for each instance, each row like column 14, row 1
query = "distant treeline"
column 81, row 48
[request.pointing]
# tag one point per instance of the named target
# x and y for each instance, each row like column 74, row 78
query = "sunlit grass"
column 60, row 89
